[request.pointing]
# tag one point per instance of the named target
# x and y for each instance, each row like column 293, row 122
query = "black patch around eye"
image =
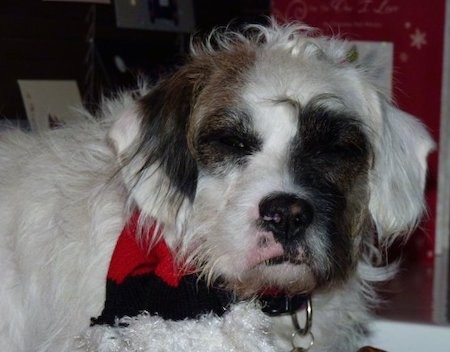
column 326, row 132
column 349, row 150
column 331, row 149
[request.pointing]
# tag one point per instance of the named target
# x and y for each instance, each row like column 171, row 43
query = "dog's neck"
column 274, row 305
column 144, row 276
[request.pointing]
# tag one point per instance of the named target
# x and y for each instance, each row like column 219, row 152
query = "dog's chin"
column 284, row 276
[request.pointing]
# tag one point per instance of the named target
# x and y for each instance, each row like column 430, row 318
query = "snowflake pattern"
column 418, row 39
column 404, row 57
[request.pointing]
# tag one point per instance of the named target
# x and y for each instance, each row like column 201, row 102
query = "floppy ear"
column 397, row 180
column 151, row 143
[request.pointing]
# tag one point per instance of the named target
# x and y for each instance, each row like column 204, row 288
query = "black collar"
column 279, row 305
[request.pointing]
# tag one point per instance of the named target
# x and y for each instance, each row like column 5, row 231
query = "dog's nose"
column 285, row 215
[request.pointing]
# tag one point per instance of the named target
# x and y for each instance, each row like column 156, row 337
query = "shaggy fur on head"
column 268, row 159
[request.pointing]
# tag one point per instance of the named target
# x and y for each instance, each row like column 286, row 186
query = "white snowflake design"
column 418, row 39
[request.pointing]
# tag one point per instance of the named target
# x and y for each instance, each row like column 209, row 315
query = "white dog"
column 267, row 164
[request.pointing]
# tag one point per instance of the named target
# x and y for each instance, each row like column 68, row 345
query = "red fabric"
column 132, row 257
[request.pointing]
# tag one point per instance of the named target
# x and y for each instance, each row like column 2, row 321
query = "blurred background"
column 103, row 45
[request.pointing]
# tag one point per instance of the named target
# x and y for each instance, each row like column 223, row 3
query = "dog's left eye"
column 233, row 142
column 347, row 150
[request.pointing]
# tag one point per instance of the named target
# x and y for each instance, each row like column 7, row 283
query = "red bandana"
column 143, row 276
column 133, row 258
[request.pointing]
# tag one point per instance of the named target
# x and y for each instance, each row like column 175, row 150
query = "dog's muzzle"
column 287, row 216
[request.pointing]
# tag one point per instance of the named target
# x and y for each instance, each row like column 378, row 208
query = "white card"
column 49, row 103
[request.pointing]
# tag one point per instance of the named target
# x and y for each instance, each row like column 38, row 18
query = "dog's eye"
column 347, row 150
column 228, row 143
column 334, row 152
column 233, row 142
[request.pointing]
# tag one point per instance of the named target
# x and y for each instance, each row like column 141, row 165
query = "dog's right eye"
column 232, row 144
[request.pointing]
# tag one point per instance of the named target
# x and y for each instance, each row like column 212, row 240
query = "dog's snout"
column 285, row 215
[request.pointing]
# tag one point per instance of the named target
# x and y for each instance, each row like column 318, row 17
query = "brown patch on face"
column 224, row 140
column 357, row 216
column 219, row 95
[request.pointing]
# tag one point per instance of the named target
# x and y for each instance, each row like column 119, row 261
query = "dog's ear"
column 397, row 179
column 124, row 131
column 151, row 141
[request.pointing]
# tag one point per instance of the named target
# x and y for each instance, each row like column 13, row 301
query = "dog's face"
column 282, row 179
column 269, row 154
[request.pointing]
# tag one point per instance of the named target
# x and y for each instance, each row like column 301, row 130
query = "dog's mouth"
column 283, row 259
column 288, row 272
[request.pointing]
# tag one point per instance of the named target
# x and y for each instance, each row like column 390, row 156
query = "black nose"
column 285, row 215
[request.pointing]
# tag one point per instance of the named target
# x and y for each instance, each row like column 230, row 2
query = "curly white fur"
column 244, row 328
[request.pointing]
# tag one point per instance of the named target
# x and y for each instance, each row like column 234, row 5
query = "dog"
column 268, row 161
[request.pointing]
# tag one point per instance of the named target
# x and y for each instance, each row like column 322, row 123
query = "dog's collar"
column 283, row 304
column 302, row 337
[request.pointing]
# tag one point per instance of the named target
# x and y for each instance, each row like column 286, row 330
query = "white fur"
column 60, row 220
column 243, row 328
column 66, row 194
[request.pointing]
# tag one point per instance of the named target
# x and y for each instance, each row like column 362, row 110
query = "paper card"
column 48, row 103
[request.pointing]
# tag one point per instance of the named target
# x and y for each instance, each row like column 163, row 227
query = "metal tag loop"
column 308, row 322
column 305, row 331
